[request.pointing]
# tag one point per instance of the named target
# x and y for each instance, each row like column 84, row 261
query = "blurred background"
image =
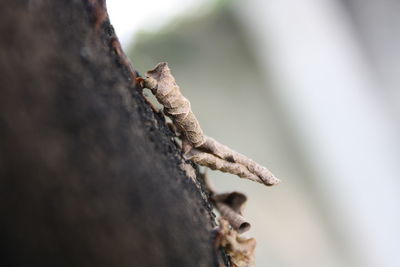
column 310, row 89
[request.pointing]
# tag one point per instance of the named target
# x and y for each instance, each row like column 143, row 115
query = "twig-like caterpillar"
column 198, row 147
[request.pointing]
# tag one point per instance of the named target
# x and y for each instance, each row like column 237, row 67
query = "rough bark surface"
column 89, row 175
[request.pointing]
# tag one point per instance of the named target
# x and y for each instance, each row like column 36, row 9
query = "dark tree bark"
column 89, row 174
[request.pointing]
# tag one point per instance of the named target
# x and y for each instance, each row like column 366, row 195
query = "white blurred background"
column 310, row 89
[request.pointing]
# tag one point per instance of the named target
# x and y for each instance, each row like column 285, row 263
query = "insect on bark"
column 198, row 147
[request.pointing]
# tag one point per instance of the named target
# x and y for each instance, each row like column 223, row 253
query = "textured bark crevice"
column 89, row 174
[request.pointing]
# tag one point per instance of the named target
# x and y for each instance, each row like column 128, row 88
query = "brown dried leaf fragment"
column 241, row 250
column 161, row 82
column 199, row 148
column 215, row 163
column 231, row 206
column 264, row 176
column 237, row 221
column 235, row 200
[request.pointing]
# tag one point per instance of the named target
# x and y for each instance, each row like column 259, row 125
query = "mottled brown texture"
column 199, row 148
column 262, row 174
column 89, row 175
column 237, row 221
column 176, row 106
column 215, row 163
column 231, row 206
column 240, row 249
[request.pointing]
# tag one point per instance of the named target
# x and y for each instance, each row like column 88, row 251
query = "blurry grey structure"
column 377, row 23
column 309, row 89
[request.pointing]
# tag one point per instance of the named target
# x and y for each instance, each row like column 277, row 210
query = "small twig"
column 199, row 148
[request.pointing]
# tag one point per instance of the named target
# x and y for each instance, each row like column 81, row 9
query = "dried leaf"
column 241, row 250
column 199, row 148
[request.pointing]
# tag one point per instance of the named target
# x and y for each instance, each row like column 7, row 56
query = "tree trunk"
column 89, row 174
